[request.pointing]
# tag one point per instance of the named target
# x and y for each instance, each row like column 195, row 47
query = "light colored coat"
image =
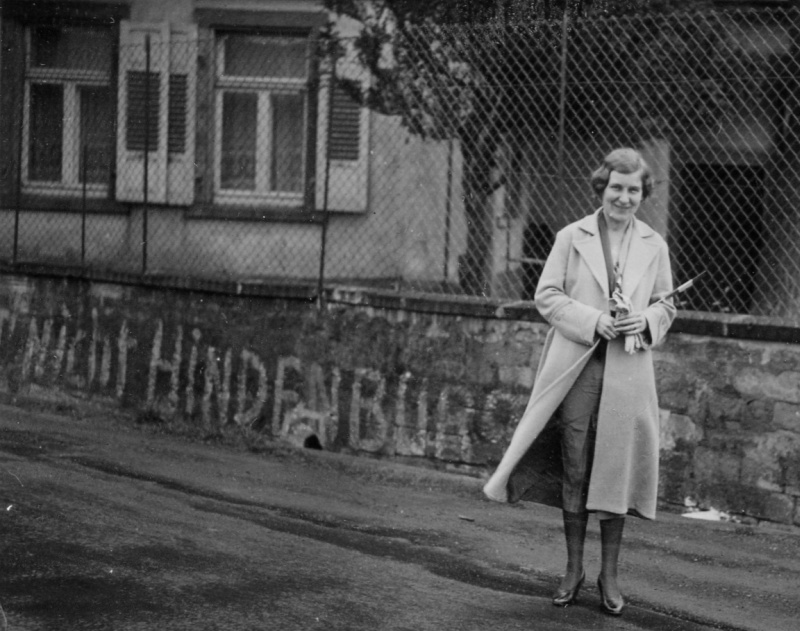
column 571, row 295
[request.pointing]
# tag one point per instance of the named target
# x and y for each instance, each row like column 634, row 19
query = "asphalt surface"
column 110, row 524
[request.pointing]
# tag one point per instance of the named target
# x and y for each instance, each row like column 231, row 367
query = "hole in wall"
column 312, row 442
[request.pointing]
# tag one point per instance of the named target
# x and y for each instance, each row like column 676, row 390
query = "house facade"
column 207, row 131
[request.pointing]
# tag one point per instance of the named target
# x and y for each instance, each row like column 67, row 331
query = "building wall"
column 434, row 390
column 155, row 11
column 400, row 235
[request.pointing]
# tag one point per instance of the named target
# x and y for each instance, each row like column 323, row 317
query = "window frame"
column 71, row 80
column 263, row 87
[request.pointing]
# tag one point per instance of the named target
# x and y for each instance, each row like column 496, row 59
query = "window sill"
column 53, row 202
column 266, row 213
column 76, row 191
column 292, row 202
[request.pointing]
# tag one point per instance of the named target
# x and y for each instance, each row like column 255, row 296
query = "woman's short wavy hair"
column 623, row 160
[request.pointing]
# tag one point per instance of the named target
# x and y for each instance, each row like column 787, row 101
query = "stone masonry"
column 437, row 390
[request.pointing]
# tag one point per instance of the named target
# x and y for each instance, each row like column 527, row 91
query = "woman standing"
column 599, row 291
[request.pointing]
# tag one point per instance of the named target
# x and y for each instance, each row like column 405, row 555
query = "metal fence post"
column 15, row 253
column 448, row 211
column 146, row 181
column 85, row 154
column 326, row 186
column 562, row 114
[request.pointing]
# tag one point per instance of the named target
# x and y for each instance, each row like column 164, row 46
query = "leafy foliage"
column 508, row 11
column 446, row 67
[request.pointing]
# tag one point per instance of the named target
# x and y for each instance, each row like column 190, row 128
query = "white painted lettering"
column 34, row 358
column 409, row 440
column 374, row 412
column 247, row 416
column 123, row 344
column 70, row 375
column 282, row 396
column 157, row 364
column 221, row 384
column 318, row 400
column 91, row 366
column 105, row 362
column 189, row 408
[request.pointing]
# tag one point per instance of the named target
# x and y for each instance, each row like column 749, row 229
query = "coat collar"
column 644, row 248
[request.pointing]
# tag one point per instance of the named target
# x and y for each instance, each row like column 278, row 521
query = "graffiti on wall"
column 172, row 370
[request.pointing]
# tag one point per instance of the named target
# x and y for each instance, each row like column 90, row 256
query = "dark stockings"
column 611, row 539
column 575, row 533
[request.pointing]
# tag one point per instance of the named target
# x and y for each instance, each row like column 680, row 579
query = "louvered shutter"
column 11, row 97
column 135, row 89
column 182, row 91
column 345, row 136
column 344, row 149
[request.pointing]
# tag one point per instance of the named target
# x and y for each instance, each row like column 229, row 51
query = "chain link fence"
column 442, row 161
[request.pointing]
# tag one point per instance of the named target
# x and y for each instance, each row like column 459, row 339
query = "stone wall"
column 731, row 424
column 432, row 389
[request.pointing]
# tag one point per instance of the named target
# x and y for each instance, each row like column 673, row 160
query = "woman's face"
column 622, row 196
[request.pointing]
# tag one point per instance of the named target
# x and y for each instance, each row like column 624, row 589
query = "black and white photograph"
column 399, row 315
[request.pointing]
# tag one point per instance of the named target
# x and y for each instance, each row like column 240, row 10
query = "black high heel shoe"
column 564, row 597
column 609, row 606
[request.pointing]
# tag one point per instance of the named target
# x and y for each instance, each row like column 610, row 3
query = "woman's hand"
column 631, row 324
column 605, row 327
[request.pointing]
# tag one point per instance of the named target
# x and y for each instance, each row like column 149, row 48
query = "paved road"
column 108, row 525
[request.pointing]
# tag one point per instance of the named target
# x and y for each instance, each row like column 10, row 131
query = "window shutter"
column 13, row 65
column 345, row 136
column 134, row 88
column 142, row 96
column 204, row 118
column 344, row 147
column 181, row 111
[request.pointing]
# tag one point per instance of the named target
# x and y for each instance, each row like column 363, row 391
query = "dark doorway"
column 718, row 228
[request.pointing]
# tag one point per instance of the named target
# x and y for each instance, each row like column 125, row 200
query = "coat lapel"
column 643, row 249
column 591, row 249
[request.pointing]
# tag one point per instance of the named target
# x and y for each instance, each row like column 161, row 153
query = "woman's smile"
column 622, row 196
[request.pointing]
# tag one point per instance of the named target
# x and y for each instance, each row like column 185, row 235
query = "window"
column 85, row 90
column 261, row 119
column 68, row 112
